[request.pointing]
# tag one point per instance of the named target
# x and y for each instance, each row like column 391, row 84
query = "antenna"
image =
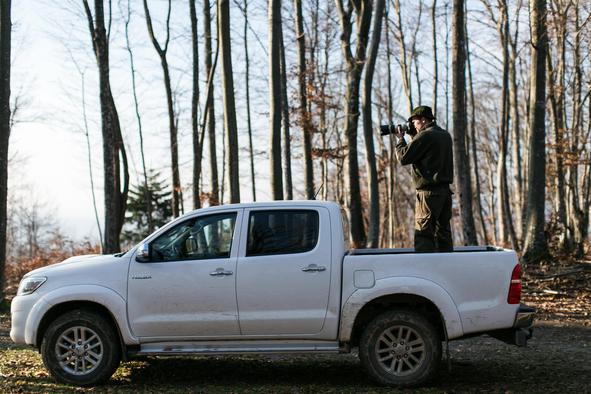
column 318, row 191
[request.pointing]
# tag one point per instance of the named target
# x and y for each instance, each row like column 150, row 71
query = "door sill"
column 237, row 347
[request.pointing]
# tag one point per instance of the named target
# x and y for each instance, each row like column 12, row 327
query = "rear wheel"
column 400, row 348
column 81, row 348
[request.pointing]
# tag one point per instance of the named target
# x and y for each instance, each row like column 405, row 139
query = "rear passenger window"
column 282, row 232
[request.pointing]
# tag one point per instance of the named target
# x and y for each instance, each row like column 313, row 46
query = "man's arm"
column 410, row 153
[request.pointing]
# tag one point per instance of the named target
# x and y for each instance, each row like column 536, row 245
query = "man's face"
column 419, row 123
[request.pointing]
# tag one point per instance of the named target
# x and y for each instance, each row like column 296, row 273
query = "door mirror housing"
column 143, row 253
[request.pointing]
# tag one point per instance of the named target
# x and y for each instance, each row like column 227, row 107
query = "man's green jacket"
column 431, row 155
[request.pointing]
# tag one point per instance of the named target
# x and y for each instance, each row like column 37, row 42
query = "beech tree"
column 536, row 246
column 114, row 155
column 460, row 123
column 230, row 127
column 162, row 50
column 354, row 69
column 5, row 32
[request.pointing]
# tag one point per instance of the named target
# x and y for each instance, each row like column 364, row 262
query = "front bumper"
column 22, row 310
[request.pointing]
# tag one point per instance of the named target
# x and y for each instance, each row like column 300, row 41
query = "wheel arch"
column 400, row 301
column 68, row 306
column 104, row 301
column 415, row 294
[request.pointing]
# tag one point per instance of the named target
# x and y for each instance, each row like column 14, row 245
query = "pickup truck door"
column 188, row 288
column 284, row 269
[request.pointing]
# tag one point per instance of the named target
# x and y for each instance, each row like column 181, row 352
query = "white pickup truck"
column 266, row 278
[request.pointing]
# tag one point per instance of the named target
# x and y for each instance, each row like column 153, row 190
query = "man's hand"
column 399, row 132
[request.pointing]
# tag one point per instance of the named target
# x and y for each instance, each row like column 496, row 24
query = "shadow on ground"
column 558, row 359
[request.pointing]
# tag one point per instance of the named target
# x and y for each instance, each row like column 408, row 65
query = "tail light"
column 514, row 296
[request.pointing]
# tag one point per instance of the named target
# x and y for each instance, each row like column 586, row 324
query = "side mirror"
column 143, row 253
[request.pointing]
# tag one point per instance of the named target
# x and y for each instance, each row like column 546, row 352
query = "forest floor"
column 556, row 360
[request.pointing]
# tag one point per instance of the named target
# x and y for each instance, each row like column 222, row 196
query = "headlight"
column 30, row 284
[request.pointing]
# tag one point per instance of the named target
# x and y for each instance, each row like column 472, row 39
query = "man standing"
column 431, row 154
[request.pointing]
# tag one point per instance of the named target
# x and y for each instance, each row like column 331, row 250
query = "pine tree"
column 159, row 197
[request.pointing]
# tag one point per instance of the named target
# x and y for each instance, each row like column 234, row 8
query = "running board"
column 236, row 347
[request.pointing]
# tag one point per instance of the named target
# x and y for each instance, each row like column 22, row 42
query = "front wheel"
column 400, row 348
column 81, row 348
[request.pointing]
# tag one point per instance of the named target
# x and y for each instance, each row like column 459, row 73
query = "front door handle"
column 314, row 268
column 221, row 272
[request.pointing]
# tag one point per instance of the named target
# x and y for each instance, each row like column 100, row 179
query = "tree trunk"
column 370, row 155
column 139, row 123
column 247, row 88
column 392, row 217
column 230, row 126
column 5, row 33
column 197, row 148
column 113, row 148
column 285, row 118
column 579, row 193
column 435, row 71
column 404, row 68
column 478, row 189
column 172, row 125
column 214, row 197
column 536, row 246
column 304, row 116
column 460, row 123
column 516, row 131
column 354, row 66
column 506, row 230
column 275, row 98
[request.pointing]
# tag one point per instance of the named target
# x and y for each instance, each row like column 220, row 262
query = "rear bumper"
column 522, row 327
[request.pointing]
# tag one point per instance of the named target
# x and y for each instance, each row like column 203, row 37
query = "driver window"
column 205, row 237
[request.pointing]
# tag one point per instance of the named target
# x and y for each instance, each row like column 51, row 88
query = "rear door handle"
column 221, row 272
column 314, row 268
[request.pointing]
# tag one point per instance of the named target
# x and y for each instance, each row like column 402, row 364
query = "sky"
column 51, row 45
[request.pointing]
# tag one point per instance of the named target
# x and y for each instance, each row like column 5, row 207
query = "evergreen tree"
column 136, row 219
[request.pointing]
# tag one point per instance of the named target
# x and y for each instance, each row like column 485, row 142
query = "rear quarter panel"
column 475, row 284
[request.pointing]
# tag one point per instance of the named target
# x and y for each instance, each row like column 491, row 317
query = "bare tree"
column 231, row 129
column 113, row 149
column 197, row 145
column 285, row 118
column 370, row 154
column 5, row 40
column 162, row 50
column 476, row 166
column 460, row 123
column 275, row 98
column 214, row 198
column 354, row 67
column 137, row 116
column 435, row 65
column 304, row 116
column 516, row 127
column 244, row 9
column 403, row 61
column 536, row 246
column 506, row 229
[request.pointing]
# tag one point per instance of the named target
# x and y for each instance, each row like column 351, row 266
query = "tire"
column 81, row 348
column 400, row 349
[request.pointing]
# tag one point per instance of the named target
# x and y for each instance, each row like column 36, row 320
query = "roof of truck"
column 267, row 204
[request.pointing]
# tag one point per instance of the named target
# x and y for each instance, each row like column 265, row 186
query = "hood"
column 73, row 262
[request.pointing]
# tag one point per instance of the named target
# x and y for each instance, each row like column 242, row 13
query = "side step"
column 236, row 347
